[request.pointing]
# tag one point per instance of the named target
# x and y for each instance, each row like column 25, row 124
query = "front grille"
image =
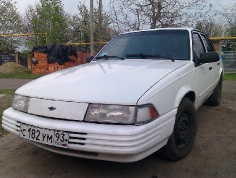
column 77, row 138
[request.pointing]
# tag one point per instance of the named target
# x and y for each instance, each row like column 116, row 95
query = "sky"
column 71, row 5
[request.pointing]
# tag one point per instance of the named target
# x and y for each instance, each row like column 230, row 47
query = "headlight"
column 21, row 103
column 110, row 113
column 120, row 114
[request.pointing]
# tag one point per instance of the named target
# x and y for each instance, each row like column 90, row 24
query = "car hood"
column 108, row 82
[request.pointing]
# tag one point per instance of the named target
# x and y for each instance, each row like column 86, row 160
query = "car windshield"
column 158, row 44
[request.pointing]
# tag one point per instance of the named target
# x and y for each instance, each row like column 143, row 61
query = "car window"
column 149, row 45
column 207, row 43
column 117, row 47
column 198, row 45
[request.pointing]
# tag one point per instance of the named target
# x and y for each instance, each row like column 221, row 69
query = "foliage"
column 210, row 27
column 79, row 26
column 28, row 26
column 230, row 15
column 227, row 18
column 47, row 18
column 10, row 22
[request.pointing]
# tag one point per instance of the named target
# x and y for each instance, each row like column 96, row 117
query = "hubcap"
column 182, row 131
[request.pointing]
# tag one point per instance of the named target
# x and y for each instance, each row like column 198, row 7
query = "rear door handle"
column 218, row 63
column 210, row 68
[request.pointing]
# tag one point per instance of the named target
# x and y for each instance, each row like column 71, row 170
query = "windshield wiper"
column 109, row 57
column 166, row 57
column 146, row 56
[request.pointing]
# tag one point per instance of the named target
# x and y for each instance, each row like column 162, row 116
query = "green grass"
column 21, row 75
column 6, row 97
column 230, row 76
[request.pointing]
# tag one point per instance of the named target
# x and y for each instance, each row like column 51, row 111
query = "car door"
column 204, row 72
column 215, row 65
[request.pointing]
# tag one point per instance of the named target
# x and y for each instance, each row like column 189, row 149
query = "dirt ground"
column 213, row 154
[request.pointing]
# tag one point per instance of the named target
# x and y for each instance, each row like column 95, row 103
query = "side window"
column 207, row 43
column 198, row 45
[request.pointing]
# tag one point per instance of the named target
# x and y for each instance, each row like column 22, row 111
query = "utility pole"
column 91, row 29
column 100, row 21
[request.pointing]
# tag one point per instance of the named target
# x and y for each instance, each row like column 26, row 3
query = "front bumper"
column 121, row 143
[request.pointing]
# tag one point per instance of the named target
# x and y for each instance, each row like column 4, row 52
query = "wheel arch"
column 186, row 92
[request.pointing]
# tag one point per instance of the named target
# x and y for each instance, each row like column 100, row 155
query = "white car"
column 138, row 95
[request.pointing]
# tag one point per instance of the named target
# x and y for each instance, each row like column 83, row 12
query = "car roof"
column 175, row 28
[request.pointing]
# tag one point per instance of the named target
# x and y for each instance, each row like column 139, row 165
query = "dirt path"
column 12, row 83
column 213, row 155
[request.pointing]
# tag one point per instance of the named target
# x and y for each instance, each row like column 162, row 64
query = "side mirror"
column 89, row 59
column 209, row 57
column 206, row 58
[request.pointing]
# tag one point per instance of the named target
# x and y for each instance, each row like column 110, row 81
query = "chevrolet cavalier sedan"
column 138, row 95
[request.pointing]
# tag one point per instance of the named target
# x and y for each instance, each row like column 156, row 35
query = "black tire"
column 182, row 138
column 215, row 98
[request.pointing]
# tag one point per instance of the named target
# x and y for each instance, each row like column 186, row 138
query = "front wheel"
column 182, row 138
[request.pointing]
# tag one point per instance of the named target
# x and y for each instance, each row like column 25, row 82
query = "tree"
column 10, row 22
column 230, row 16
column 79, row 26
column 210, row 27
column 135, row 15
column 49, row 17
column 30, row 14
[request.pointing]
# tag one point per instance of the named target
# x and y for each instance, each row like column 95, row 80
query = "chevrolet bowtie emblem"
column 51, row 108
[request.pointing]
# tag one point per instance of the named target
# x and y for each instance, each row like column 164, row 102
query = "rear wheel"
column 182, row 138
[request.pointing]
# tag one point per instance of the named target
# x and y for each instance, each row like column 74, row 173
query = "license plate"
column 44, row 136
